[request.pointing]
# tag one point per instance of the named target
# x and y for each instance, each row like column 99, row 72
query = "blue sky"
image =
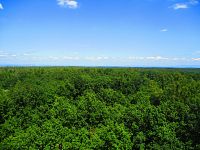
column 100, row 32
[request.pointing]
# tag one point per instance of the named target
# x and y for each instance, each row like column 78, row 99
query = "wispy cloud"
column 96, row 58
column 70, row 58
column 68, row 3
column 1, row 6
column 4, row 55
column 180, row 6
column 185, row 5
column 27, row 58
column 193, row 2
column 91, row 58
column 164, row 30
column 179, row 59
column 196, row 59
column 27, row 54
column 149, row 58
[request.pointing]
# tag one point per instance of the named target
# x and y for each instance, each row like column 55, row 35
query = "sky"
column 133, row 33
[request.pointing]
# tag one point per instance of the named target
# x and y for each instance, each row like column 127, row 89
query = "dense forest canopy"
column 99, row 108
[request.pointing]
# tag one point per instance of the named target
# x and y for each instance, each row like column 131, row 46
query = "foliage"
column 99, row 108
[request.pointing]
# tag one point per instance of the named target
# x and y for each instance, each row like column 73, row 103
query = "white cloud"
column 53, row 58
column 96, row 58
column 161, row 59
column 27, row 54
column 196, row 59
column 6, row 55
column 185, row 5
column 157, row 58
column 69, row 3
column 26, row 58
column 164, row 30
column 2, row 55
column 1, row 6
column 136, row 58
column 148, row 58
column 180, row 6
column 71, row 58
column 193, row 2
column 179, row 59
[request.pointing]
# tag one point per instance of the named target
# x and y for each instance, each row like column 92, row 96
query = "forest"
column 83, row 108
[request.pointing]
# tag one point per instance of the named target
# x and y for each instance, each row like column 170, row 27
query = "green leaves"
column 99, row 108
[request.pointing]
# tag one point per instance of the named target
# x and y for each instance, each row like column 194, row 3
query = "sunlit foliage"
column 99, row 108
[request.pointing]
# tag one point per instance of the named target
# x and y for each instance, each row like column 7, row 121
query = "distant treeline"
column 99, row 108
